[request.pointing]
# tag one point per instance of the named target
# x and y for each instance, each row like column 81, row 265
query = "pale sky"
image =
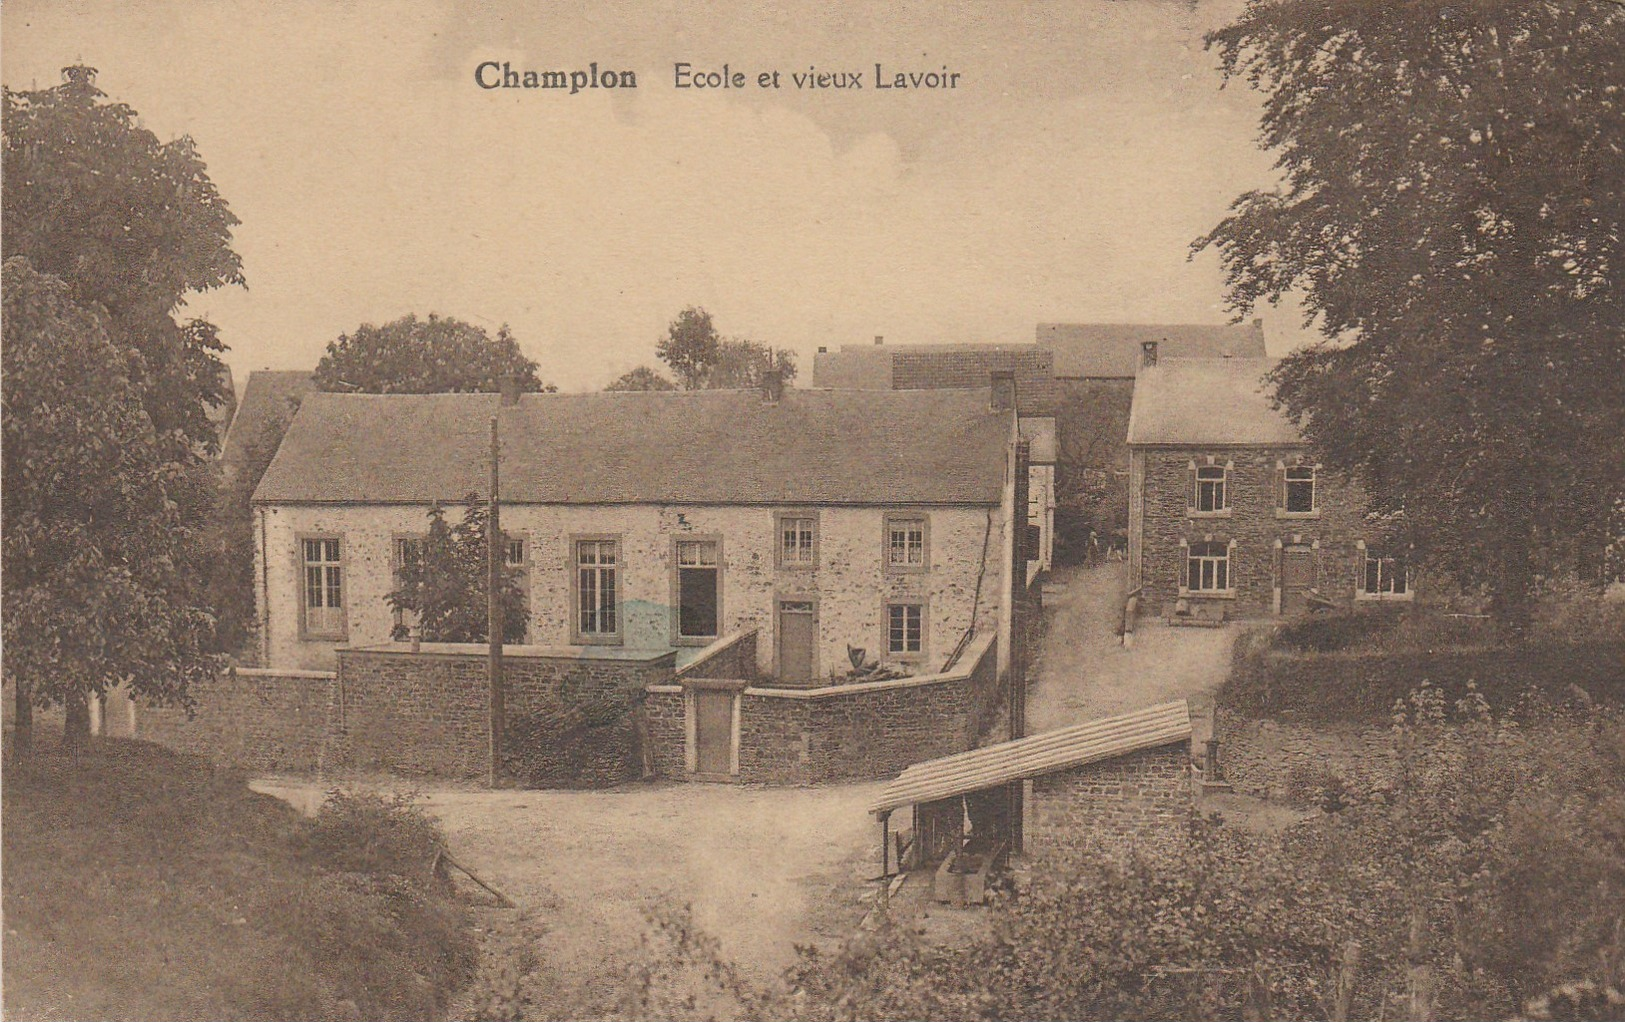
column 1086, row 145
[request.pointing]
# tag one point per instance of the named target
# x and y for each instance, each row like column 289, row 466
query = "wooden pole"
column 493, row 608
column 1421, row 972
column 1348, row 976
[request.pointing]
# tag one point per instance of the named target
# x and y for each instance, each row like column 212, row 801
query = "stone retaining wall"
column 261, row 719
column 1261, row 757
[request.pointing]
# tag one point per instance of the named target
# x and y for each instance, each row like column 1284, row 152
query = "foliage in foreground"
column 142, row 883
column 1500, row 853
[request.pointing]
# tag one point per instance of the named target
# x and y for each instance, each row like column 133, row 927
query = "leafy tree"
column 429, row 356
column 703, row 360
column 1451, row 213
column 641, row 378
column 690, row 346
column 132, row 225
column 95, row 592
column 444, row 585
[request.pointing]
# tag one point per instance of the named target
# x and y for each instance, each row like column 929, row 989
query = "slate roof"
column 854, row 367
column 1207, row 402
column 703, row 447
column 268, row 396
column 1112, row 350
column 1036, row 755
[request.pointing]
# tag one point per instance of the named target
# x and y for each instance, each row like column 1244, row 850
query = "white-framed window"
column 1207, row 567
column 323, row 586
column 1384, row 576
column 1212, row 488
column 597, row 565
column 699, row 588
column 907, row 537
column 405, row 551
column 513, row 551
column 798, row 541
column 1298, row 490
column 905, row 629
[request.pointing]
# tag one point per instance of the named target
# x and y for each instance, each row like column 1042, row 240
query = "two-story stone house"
column 1228, row 509
column 825, row 520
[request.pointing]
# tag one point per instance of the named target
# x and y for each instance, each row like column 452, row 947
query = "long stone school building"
column 826, row 521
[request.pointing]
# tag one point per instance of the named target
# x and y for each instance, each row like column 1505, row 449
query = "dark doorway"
column 713, row 731
column 798, row 632
column 1297, row 578
column 697, row 589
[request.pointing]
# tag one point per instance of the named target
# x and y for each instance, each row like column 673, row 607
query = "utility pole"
column 493, row 609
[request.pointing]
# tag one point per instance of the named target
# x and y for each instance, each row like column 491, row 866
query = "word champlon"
column 492, row 74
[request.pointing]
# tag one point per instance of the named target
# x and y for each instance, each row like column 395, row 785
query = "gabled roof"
column 1112, row 350
column 1036, row 755
column 269, row 397
column 1206, row 402
column 701, row 447
column 940, row 366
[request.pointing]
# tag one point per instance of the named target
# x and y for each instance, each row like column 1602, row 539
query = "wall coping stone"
column 480, row 649
column 716, row 649
column 276, row 672
column 967, row 666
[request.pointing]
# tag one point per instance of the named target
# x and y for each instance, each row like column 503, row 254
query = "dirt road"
column 1084, row 672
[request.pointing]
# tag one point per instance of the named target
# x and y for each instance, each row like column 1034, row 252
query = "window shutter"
column 1190, row 487
column 1280, row 486
column 1185, row 565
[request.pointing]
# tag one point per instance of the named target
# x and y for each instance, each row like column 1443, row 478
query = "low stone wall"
column 1273, row 759
column 732, row 656
column 261, row 719
column 840, row 732
column 1128, row 800
column 388, row 708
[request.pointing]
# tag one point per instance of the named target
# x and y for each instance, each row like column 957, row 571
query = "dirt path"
column 1084, row 672
column 762, row 868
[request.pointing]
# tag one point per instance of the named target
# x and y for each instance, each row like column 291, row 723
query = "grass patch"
column 143, row 883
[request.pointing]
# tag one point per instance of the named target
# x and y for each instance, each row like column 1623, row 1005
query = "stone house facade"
column 822, row 520
column 1228, row 510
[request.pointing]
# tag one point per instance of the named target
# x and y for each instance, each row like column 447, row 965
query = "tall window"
column 905, row 543
column 698, row 588
column 596, row 563
column 1210, row 495
column 1300, row 490
column 1385, row 576
column 905, row 628
column 1207, row 567
column 798, row 537
column 324, row 588
column 515, row 557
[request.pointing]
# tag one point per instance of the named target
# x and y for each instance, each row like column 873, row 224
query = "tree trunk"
column 1421, row 972
column 76, row 722
column 1348, row 976
column 22, row 726
column 1511, row 604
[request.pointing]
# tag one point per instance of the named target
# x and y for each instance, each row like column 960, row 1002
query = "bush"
column 366, row 832
column 573, row 741
column 1316, row 786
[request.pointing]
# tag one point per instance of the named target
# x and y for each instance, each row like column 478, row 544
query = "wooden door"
column 798, row 634
column 713, row 731
column 1297, row 578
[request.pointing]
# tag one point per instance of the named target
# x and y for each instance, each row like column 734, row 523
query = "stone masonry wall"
column 424, row 713
column 263, row 720
column 1262, row 757
column 1252, row 521
column 1141, row 797
column 734, row 661
column 842, row 733
column 849, row 584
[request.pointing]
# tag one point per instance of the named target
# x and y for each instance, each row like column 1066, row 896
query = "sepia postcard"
column 894, row 510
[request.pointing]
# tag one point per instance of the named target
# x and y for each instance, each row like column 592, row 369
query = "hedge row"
column 1359, row 686
column 572, row 743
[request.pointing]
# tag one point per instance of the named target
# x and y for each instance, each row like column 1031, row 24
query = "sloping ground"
column 142, row 884
column 1083, row 671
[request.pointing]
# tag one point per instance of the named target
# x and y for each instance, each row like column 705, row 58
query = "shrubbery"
column 573, row 741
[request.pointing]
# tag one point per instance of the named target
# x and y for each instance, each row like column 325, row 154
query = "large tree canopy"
column 1450, row 213
column 425, row 356
column 704, row 360
column 95, row 594
column 132, row 225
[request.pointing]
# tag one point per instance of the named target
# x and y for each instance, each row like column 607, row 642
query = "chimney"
column 1004, row 390
column 772, row 385
column 823, row 350
column 508, row 384
column 880, row 339
column 1148, row 353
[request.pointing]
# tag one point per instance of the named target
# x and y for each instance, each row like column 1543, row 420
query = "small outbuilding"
column 1125, row 779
